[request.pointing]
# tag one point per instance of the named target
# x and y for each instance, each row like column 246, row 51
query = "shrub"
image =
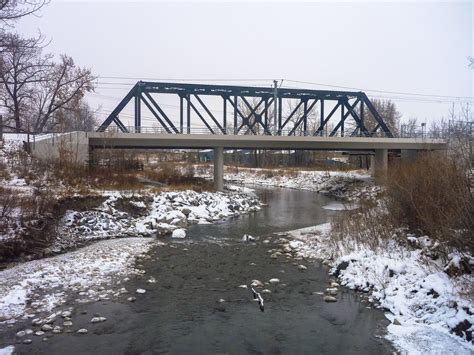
column 433, row 195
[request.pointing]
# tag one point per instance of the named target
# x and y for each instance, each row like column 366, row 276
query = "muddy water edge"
column 197, row 307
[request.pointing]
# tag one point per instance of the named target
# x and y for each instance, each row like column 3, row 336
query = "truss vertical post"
column 362, row 123
column 280, row 104
column 275, row 88
column 224, row 118
column 235, row 115
column 188, row 114
column 265, row 114
column 322, row 116
column 181, row 114
column 138, row 119
column 342, row 120
column 305, row 117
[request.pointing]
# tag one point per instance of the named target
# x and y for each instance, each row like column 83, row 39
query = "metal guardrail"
column 414, row 134
column 299, row 133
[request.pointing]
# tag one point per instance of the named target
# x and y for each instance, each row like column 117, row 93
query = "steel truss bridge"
column 249, row 110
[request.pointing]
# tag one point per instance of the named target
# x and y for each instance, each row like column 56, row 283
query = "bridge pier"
column 379, row 163
column 219, row 169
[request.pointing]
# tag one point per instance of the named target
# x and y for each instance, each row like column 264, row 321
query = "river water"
column 181, row 312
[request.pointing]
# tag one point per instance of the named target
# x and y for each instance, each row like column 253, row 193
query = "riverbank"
column 347, row 186
column 430, row 311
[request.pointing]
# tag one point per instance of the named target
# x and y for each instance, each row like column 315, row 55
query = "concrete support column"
column 408, row 155
column 219, row 169
column 380, row 163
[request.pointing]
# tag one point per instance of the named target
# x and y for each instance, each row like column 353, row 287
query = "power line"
column 382, row 91
column 289, row 80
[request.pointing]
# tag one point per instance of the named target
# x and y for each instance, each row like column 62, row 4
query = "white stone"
column 66, row 314
column 20, row 334
column 67, row 323
column 302, row 267
column 98, row 319
column 82, row 331
column 131, row 299
column 141, row 291
column 47, row 328
column 274, row 281
column 243, row 286
column 266, row 291
column 57, row 330
column 330, row 299
column 39, row 333
column 179, row 233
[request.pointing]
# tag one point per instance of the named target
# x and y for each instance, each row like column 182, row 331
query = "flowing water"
column 181, row 312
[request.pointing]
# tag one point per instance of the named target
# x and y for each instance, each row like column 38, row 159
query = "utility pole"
column 275, row 87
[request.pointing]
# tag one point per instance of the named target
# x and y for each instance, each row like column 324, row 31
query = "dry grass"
column 432, row 196
column 427, row 197
column 179, row 177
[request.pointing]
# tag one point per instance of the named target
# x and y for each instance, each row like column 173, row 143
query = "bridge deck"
column 151, row 140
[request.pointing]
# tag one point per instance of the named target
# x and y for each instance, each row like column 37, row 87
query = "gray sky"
column 399, row 47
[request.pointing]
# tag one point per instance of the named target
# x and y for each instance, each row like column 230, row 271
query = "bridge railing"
column 231, row 131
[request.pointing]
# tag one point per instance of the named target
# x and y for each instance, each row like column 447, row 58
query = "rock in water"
column 274, row 281
column 179, row 233
column 141, row 291
column 329, row 299
column 47, row 328
column 20, row 334
column 67, row 323
column 82, row 331
column 331, row 291
column 131, row 299
column 302, row 267
column 98, row 319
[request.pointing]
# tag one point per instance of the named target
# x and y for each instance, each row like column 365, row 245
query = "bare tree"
column 66, row 82
column 21, row 68
column 12, row 10
column 389, row 113
column 76, row 116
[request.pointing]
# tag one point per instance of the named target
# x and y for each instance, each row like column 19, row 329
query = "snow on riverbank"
column 126, row 214
column 344, row 185
column 425, row 303
column 39, row 286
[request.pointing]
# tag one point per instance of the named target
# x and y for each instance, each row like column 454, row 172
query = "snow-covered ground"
column 92, row 273
column 130, row 214
column 425, row 303
column 343, row 185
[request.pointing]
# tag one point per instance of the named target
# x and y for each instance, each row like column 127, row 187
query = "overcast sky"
column 410, row 47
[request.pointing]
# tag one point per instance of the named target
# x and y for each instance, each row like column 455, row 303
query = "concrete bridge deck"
column 193, row 141
column 81, row 144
